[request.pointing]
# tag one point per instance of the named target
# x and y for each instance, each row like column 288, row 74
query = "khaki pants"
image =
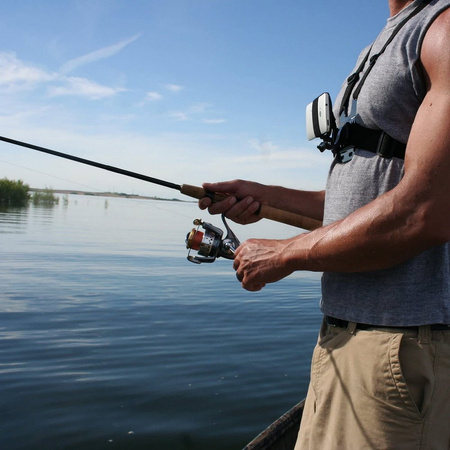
column 378, row 389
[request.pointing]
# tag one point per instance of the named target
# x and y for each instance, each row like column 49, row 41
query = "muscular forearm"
column 395, row 227
column 306, row 203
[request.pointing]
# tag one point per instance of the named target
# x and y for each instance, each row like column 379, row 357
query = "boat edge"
column 277, row 431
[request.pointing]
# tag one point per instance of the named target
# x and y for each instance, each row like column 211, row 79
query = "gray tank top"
column 416, row 292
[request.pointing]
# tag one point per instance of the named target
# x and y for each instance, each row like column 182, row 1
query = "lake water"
column 111, row 339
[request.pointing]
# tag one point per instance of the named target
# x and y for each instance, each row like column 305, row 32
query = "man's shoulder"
column 435, row 53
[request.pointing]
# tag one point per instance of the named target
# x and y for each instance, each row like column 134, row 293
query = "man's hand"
column 245, row 198
column 261, row 261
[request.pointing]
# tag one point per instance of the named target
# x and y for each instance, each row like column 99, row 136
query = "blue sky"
column 183, row 90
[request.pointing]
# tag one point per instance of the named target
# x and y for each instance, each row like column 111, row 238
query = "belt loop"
column 351, row 327
column 323, row 327
column 424, row 336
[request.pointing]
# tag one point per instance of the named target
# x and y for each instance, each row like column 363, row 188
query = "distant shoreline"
column 106, row 194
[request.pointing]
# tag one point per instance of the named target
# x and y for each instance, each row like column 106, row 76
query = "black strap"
column 351, row 82
column 365, row 326
column 375, row 141
column 354, row 77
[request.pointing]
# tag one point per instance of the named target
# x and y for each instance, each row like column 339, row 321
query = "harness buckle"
column 342, row 149
column 346, row 154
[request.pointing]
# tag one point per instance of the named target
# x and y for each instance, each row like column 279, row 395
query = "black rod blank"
column 94, row 164
column 265, row 211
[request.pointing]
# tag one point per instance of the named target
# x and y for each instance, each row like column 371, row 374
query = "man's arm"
column 396, row 226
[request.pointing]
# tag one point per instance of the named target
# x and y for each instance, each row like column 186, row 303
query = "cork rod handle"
column 266, row 212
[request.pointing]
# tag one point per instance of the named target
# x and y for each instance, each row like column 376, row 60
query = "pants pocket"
column 413, row 373
column 329, row 340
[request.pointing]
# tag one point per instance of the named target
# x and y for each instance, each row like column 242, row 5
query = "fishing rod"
column 264, row 211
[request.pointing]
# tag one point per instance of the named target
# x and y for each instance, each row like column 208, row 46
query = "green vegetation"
column 13, row 193
column 45, row 197
column 16, row 194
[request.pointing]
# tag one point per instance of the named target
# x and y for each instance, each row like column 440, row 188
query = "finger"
column 224, row 187
column 247, row 214
column 239, row 206
column 204, row 203
column 243, row 211
column 236, row 261
column 236, row 253
column 255, row 287
column 223, row 206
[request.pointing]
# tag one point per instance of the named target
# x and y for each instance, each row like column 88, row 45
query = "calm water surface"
column 111, row 339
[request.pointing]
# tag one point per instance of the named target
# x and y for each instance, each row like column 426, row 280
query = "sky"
column 186, row 91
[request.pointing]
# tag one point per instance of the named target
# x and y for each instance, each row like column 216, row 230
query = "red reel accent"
column 195, row 239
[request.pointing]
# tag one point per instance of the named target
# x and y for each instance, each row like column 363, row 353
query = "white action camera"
column 319, row 117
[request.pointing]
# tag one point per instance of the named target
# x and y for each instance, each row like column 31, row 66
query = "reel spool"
column 209, row 244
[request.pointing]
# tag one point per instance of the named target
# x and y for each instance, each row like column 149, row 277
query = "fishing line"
column 50, row 175
column 89, row 162
column 170, row 211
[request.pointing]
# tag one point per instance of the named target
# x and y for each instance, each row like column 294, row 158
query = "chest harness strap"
column 351, row 134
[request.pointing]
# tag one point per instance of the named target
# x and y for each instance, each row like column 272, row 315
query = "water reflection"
column 106, row 328
column 13, row 220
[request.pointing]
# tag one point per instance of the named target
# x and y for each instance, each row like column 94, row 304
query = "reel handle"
column 266, row 212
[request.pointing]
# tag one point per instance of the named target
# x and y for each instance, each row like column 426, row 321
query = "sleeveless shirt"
column 415, row 292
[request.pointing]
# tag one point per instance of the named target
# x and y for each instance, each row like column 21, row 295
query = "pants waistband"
column 364, row 326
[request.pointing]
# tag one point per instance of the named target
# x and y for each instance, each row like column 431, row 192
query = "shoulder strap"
column 354, row 77
column 351, row 82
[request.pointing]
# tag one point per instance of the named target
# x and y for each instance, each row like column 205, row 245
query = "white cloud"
column 199, row 108
column 286, row 159
column 179, row 115
column 264, row 147
column 213, row 121
column 15, row 74
column 153, row 96
column 83, row 87
column 97, row 55
column 174, row 87
column 191, row 112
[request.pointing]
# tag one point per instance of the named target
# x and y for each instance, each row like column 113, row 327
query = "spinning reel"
column 209, row 244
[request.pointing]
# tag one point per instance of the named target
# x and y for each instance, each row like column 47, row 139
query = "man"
column 380, row 376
